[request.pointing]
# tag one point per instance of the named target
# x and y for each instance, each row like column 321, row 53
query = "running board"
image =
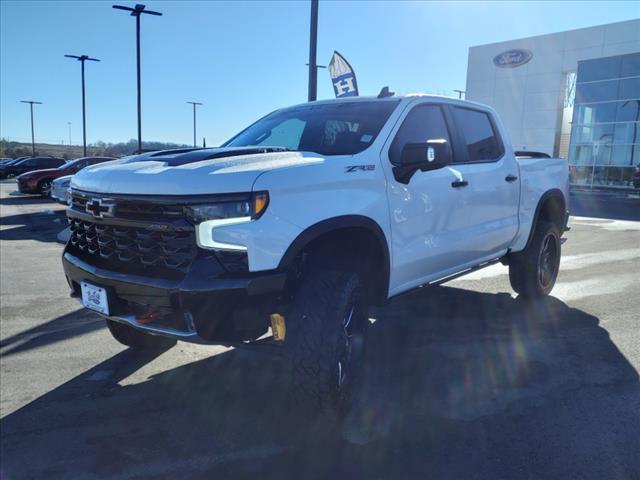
column 465, row 272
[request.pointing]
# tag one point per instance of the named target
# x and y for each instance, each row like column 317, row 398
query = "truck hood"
column 193, row 172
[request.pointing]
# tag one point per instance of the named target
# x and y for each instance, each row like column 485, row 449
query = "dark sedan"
column 39, row 181
column 28, row 165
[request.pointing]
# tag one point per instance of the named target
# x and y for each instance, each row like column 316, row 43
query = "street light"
column 82, row 59
column 460, row 92
column 69, row 125
column 194, row 121
column 313, row 47
column 136, row 12
column 33, row 141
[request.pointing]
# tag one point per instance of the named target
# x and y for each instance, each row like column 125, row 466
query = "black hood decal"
column 175, row 158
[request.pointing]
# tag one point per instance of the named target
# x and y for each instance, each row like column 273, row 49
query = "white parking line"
column 605, row 223
column 568, row 262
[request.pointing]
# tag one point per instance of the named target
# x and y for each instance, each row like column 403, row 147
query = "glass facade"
column 605, row 131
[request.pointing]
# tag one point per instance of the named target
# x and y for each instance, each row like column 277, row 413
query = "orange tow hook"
column 148, row 317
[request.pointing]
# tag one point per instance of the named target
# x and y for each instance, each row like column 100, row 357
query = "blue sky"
column 241, row 59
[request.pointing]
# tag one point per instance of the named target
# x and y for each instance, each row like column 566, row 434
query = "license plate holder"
column 95, row 298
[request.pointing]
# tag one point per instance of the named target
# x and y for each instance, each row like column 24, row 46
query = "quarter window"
column 423, row 123
column 478, row 135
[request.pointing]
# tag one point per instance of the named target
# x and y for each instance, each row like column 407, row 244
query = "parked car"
column 60, row 189
column 28, row 165
column 303, row 220
column 636, row 177
column 39, row 181
column 12, row 161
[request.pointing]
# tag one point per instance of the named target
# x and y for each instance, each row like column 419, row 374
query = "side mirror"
column 431, row 155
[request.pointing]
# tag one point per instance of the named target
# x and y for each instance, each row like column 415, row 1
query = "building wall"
column 530, row 98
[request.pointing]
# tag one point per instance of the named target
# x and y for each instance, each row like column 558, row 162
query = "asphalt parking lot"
column 462, row 381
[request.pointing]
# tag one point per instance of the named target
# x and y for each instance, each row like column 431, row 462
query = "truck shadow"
column 42, row 226
column 68, row 326
column 456, row 384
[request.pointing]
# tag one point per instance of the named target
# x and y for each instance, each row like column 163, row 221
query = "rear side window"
column 478, row 135
column 423, row 123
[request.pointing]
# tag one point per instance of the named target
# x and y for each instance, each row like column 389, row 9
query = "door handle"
column 511, row 178
column 459, row 183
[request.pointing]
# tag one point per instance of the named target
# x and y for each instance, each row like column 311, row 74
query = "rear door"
column 491, row 185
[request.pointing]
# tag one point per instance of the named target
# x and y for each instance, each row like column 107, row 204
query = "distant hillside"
column 20, row 149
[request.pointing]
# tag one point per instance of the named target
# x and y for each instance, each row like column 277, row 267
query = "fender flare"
column 554, row 192
column 329, row 225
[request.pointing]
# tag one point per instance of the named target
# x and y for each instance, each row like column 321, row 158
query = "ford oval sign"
column 512, row 58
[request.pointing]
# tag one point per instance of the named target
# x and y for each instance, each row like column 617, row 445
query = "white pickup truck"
column 304, row 219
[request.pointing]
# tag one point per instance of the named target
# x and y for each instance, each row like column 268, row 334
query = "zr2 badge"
column 359, row 168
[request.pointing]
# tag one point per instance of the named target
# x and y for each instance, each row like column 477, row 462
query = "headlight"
column 253, row 206
column 225, row 212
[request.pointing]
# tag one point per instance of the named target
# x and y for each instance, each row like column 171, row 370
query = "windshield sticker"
column 366, row 138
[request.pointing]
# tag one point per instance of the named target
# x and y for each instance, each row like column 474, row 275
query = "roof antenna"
column 384, row 93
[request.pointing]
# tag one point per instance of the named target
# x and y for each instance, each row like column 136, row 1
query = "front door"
column 428, row 214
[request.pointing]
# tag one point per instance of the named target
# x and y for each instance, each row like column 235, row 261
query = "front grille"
column 135, row 210
column 136, row 247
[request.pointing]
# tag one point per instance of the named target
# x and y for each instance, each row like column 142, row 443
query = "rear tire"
column 533, row 272
column 138, row 340
column 325, row 340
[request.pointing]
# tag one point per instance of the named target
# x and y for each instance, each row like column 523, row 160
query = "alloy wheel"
column 548, row 261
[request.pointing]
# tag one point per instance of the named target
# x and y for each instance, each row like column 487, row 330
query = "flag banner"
column 342, row 77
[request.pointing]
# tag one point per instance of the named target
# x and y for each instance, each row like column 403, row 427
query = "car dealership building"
column 573, row 94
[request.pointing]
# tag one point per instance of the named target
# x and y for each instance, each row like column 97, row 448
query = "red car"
column 39, row 181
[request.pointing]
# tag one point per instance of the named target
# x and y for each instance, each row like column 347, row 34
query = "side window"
column 423, row 123
column 478, row 135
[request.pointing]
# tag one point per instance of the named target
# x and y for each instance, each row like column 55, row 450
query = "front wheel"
column 325, row 339
column 533, row 272
column 45, row 188
column 138, row 340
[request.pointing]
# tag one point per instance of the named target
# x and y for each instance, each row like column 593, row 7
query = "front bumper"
column 27, row 187
column 206, row 306
column 60, row 194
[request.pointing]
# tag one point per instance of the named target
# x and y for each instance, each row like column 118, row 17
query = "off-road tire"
column 138, row 340
column 526, row 268
column 315, row 340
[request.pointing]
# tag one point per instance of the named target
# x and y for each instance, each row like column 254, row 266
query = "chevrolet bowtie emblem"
column 99, row 208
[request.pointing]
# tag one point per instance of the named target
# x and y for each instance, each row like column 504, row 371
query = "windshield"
column 328, row 129
column 71, row 164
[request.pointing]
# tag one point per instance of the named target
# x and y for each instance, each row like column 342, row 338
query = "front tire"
column 45, row 188
column 138, row 340
column 325, row 340
column 533, row 272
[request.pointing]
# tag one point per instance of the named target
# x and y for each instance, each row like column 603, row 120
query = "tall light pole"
column 460, row 92
column 82, row 59
column 33, row 137
column 136, row 12
column 194, row 121
column 69, row 125
column 313, row 47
